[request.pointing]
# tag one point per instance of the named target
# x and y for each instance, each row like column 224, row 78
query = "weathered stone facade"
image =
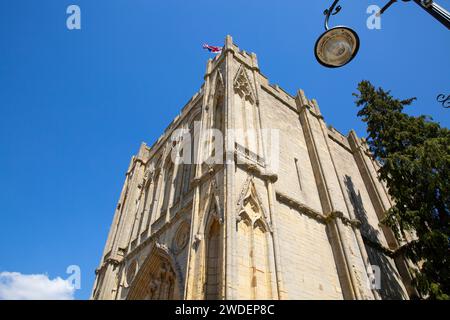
column 307, row 228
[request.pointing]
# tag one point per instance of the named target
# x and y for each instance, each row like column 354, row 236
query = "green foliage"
column 414, row 153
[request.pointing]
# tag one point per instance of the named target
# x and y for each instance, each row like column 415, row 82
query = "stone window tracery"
column 156, row 280
column 254, row 278
column 162, row 284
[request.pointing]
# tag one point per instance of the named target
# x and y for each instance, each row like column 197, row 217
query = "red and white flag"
column 212, row 49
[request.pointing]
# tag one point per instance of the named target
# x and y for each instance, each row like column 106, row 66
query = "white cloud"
column 17, row 286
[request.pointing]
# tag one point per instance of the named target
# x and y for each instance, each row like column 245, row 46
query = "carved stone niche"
column 131, row 272
column 181, row 238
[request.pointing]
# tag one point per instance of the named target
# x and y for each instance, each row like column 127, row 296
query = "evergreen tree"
column 414, row 153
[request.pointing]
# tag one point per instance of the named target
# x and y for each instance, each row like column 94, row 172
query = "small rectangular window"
column 299, row 177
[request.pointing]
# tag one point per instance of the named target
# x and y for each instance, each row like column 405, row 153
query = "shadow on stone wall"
column 390, row 287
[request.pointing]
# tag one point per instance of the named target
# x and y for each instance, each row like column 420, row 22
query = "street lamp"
column 339, row 45
column 336, row 46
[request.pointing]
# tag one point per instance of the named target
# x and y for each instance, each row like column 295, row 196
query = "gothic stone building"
column 305, row 228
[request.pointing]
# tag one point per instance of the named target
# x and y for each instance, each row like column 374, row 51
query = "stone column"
column 381, row 202
column 195, row 270
column 328, row 188
column 229, row 172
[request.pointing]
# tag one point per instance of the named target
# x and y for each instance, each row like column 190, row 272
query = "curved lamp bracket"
column 332, row 11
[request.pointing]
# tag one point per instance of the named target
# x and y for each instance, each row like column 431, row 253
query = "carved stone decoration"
column 159, row 276
column 253, row 233
column 181, row 238
column 219, row 209
column 131, row 272
column 175, row 264
column 148, row 175
column 161, row 286
column 244, row 191
column 249, row 198
column 242, row 85
column 212, row 209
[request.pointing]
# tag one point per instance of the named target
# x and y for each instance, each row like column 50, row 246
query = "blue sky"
column 75, row 105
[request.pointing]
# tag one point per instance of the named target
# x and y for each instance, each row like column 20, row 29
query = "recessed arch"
column 213, row 268
column 159, row 278
column 213, row 209
column 254, row 234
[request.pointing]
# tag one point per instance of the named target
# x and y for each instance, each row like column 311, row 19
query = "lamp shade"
column 336, row 47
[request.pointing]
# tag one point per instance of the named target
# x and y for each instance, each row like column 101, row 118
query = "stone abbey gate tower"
column 303, row 227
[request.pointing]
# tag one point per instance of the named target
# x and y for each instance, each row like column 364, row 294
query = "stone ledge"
column 115, row 261
column 325, row 219
column 302, row 208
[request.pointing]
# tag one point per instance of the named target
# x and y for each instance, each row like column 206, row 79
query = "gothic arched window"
column 218, row 122
column 168, row 175
column 253, row 251
column 248, row 121
column 213, row 262
column 194, row 137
